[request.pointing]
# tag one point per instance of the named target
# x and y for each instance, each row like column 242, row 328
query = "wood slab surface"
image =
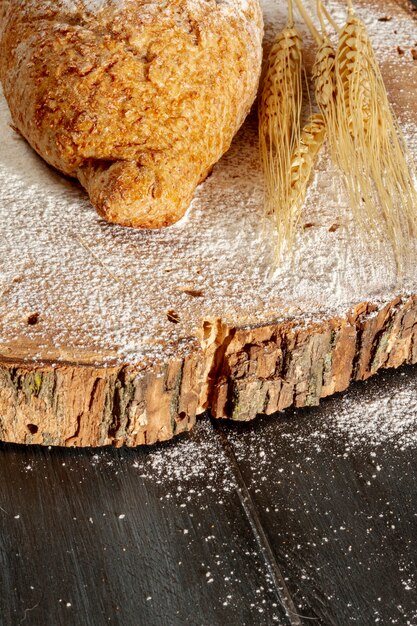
column 110, row 336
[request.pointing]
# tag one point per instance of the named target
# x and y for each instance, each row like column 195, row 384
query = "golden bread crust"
column 136, row 99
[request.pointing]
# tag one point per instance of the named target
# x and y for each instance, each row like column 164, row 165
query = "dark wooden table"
column 282, row 521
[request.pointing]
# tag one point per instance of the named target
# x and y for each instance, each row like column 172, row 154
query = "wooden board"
column 114, row 336
column 100, row 536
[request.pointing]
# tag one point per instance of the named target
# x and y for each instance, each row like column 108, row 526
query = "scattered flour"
column 374, row 423
column 193, row 467
column 369, row 417
column 383, row 418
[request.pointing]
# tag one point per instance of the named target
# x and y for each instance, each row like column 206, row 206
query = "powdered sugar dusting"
column 116, row 293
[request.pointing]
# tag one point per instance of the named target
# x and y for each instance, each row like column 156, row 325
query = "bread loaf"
column 136, row 99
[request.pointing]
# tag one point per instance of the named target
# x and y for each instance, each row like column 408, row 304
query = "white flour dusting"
column 101, row 292
column 370, row 417
column 358, row 514
column 377, row 420
column 199, row 462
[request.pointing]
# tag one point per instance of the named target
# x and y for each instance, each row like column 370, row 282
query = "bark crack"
column 73, row 439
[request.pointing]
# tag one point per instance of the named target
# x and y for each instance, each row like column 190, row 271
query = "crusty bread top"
column 164, row 86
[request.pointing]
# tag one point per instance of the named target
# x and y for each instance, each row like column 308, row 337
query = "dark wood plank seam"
column 281, row 589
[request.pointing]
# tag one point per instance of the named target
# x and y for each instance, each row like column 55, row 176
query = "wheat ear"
column 303, row 159
column 279, row 128
column 324, row 75
column 378, row 170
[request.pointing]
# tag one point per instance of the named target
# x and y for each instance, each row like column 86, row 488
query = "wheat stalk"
column 377, row 169
column 324, row 74
column 325, row 124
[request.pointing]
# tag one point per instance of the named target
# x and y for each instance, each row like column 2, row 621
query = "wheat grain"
column 279, row 129
column 353, row 110
column 324, row 66
column 355, row 76
column 302, row 162
column 325, row 84
column 324, row 74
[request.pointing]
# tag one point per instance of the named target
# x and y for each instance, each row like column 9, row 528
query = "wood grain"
column 69, row 558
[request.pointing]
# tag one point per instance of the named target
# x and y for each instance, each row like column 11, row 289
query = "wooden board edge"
column 275, row 367
column 237, row 373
